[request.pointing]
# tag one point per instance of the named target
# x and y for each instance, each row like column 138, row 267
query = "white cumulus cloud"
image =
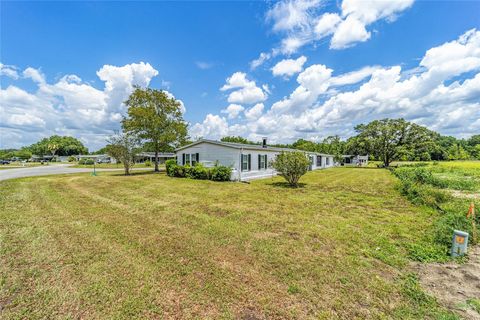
column 34, row 74
column 442, row 93
column 9, row 71
column 233, row 110
column 254, row 112
column 245, row 91
column 302, row 22
column 289, row 67
column 69, row 106
column 213, row 127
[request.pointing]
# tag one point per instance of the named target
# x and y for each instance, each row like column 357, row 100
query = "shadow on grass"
column 286, row 185
column 138, row 173
column 361, row 167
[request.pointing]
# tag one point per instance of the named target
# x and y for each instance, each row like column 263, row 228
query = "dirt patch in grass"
column 465, row 195
column 454, row 285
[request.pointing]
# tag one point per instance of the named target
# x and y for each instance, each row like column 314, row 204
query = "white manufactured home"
column 246, row 160
column 357, row 160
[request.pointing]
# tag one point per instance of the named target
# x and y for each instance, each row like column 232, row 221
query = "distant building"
column 162, row 157
column 37, row 158
column 98, row 158
column 355, row 160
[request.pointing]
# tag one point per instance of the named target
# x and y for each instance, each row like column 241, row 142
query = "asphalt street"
column 14, row 173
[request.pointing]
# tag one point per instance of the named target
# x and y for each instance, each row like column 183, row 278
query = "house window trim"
column 191, row 159
column 245, row 160
column 263, row 165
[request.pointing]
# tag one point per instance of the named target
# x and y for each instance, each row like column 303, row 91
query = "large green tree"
column 394, row 139
column 58, row 145
column 335, row 146
column 457, row 152
column 156, row 118
column 306, row 145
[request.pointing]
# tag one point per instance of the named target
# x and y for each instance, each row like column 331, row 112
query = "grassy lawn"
column 115, row 166
column 472, row 164
column 150, row 246
column 466, row 164
column 14, row 165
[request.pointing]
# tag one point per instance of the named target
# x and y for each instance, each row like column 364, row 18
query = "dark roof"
column 244, row 146
column 152, row 154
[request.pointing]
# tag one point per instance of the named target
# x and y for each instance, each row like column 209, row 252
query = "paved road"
column 45, row 170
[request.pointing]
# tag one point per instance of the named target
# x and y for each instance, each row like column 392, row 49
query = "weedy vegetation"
column 448, row 189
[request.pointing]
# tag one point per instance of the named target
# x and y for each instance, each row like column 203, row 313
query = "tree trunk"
column 386, row 163
column 156, row 159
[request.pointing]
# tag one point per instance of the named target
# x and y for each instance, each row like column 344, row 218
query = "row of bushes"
column 198, row 171
column 421, row 187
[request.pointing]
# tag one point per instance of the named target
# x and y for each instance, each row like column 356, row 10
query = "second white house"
column 248, row 161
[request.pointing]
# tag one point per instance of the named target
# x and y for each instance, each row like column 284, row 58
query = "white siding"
column 210, row 152
column 254, row 173
column 231, row 157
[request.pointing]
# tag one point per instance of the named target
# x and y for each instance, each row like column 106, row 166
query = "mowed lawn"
column 150, row 246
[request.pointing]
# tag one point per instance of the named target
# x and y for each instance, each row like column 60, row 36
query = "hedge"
column 198, row 171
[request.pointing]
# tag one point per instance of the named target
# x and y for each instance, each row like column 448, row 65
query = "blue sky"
column 67, row 66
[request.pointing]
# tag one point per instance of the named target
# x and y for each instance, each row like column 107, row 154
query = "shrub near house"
column 291, row 165
column 198, row 171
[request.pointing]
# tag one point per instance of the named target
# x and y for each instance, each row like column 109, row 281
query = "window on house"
column 191, row 158
column 328, row 161
column 262, row 161
column 245, row 162
column 319, row 161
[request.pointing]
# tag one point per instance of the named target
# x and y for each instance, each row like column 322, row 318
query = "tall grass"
column 430, row 186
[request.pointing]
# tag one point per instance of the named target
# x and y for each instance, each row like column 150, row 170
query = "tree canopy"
column 156, row 118
column 58, row 145
column 395, row 139
column 23, row 154
column 418, row 143
column 237, row 139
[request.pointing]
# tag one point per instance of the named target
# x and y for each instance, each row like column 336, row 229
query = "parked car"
column 4, row 162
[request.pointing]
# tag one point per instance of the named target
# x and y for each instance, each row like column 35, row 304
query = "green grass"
column 114, row 166
column 474, row 304
column 466, row 164
column 150, row 246
column 473, row 164
column 15, row 165
column 448, row 189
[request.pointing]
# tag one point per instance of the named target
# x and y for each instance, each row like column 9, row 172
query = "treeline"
column 389, row 140
column 54, row 145
column 384, row 140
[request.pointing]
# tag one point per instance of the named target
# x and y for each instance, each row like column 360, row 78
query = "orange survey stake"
column 459, row 239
